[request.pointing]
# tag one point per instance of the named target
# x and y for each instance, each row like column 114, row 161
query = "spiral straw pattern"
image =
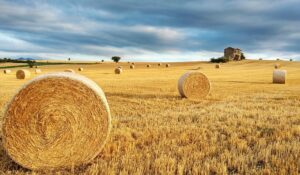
column 56, row 121
column 23, row 74
column 118, row 70
column 193, row 85
column 7, row 71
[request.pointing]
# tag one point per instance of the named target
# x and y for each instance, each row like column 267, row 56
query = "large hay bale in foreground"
column 56, row 121
column 7, row 71
column 279, row 76
column 118, row 70
column 80, row 69
column 131, row 66
column 277, row 66
column 193, row 85
column 69, row 70
column 218, row 66
column 168, row 65
column 38, row 71
column 22, row 74
column 148, row 65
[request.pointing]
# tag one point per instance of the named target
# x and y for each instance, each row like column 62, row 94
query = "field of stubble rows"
column 246, row 125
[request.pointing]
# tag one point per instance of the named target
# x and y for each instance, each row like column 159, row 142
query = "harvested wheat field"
column 246, row 124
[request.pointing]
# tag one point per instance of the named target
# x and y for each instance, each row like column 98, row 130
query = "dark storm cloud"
column 88, row 27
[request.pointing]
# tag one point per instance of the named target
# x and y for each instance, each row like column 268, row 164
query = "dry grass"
column 247, row 125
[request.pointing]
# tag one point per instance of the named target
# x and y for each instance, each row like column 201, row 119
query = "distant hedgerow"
column 219, row 60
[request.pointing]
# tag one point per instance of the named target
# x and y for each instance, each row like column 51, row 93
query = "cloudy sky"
column 149, row 30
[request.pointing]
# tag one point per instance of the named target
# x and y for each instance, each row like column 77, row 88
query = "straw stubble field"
column 246, row 125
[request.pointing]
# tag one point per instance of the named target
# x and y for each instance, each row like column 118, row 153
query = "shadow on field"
column 149, row 96
column 198, row 68
column 7, row 163
column 246, row 82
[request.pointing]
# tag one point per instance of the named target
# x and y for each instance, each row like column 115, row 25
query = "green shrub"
column 219, row 60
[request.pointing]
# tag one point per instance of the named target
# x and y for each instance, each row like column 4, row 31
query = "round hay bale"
column 218, row 66
column 36, row 66
column 279, row 76
column 53, row 119
column 193, row 85
column 131, row 66
column 7, row 71
column 38, row 71
column 118, row 70
column 277, row 66
column 168, row 65
column 69, row 70
column 148, row 65
column 132, row 63
column 22, row 74
column 159, row 64
column 120, row 67
column 80, row 69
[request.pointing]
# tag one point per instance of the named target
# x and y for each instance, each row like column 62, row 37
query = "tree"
column 102, row 61
column 69, row 59
column 243, row 56
column 31, row 63
column 116, row 58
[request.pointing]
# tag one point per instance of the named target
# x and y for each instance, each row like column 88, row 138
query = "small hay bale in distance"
column 118, row 70
column 217, row 66
column 193, row 85
column 38, row 71
column 131, row 66
column 69, row 70
column 6, row 71
column 80, row 69
column 279, row 76
column 148, row 65
column 23, row 74
column 277, row 66
column 132, row 63
column 61, row 115
column 168, row 65
column 159, row 64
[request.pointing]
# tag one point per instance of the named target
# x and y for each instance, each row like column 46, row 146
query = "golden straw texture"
column 279, row 76
column 56, row 121
column 7, row 71
column 38, row 71
column 69, row 70
column 193, row 85
column 80, row 69
column 131, row 66
column 118, row 70
column 22, row 74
